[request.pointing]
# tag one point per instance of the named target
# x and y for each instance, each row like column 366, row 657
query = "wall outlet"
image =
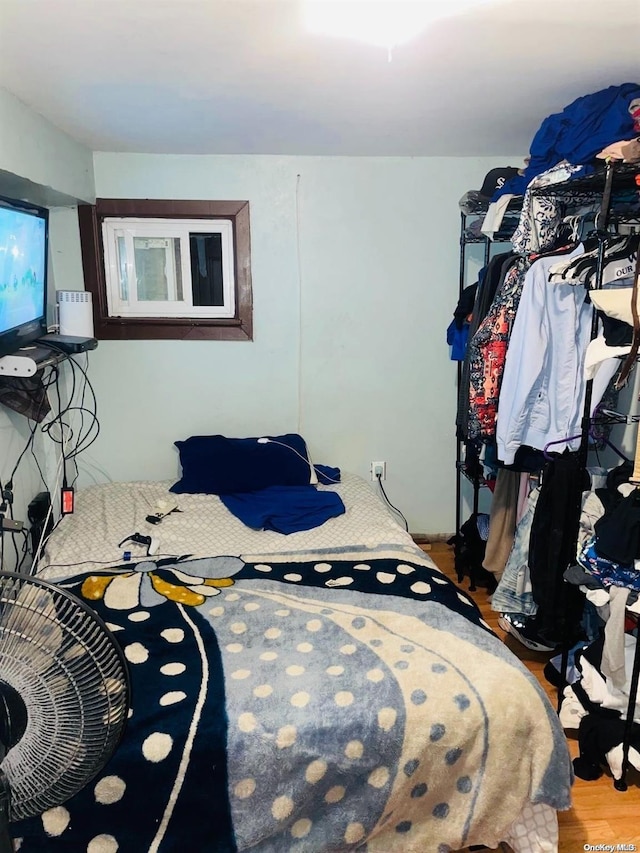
column 378, row 469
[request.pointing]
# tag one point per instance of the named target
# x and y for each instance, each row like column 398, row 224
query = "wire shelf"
column 624, row 178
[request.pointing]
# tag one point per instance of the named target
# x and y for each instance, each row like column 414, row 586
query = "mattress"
column 106, row 514
column 322, row 691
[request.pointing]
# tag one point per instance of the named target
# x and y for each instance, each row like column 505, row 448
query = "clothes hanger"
column 549, row 444
column 570, row 231
column 606, row 441
column 623, row 250
column 567, row 270
column 613, row 417
column 583, row 268
column 626, row 245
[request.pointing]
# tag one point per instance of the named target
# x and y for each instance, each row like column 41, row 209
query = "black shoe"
column 518, row 628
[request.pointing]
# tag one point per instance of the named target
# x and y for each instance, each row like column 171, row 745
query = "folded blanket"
column 285, row 509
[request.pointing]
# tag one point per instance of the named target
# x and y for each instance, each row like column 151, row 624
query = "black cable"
column 19, row 563
column 122, row 567
column 6, row 511
column 25, row 449
column 394, row 508
column 64, row 461
column 25, row 549
column 35, row 459
column 29, row 447
column 29, row 444
column 85, row 438
column 13, row 532
column 45, row 539
column 82, row 411
column 53, row 379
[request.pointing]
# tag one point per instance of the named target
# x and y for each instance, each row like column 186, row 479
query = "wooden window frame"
column 237, row 328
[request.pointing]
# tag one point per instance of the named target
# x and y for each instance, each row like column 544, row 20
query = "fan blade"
column 13, row 717
column 64, row 694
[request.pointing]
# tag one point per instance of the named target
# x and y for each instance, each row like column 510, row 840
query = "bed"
column 329, row 690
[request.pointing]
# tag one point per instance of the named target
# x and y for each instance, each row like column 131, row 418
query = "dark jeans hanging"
column 552, row 548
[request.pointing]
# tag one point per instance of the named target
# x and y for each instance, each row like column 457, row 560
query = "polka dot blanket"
column 311, row 705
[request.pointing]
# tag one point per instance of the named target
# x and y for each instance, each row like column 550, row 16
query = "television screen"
column 23, row 264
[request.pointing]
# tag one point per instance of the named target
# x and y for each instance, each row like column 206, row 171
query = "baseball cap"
column 495, row 179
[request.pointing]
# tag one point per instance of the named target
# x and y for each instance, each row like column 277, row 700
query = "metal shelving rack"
column 468, row 237
column 611, row 184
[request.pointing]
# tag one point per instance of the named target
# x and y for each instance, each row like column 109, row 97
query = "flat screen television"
column 24, row 233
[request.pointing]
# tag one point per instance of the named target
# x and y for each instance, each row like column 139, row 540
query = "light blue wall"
column 65, row 266
column 355, row 278
column 40, row 163
column 33, row 149
column 355, row 272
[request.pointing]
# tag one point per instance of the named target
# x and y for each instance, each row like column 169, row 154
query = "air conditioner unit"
column 75, row 313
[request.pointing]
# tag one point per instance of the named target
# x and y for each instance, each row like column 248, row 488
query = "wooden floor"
column 600, row 814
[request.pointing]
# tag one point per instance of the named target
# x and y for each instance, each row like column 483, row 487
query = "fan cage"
column 73, row 678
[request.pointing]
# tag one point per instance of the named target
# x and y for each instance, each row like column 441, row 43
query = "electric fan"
column 64, row 697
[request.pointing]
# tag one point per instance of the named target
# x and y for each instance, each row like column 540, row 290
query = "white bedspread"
column 106, row 514
column 516, row 717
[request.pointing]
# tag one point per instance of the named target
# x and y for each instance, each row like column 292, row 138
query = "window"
column 168, row 269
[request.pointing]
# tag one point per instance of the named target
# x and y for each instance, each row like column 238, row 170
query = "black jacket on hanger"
column 552, row 547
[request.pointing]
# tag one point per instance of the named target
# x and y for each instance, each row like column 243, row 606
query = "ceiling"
column 243, row 77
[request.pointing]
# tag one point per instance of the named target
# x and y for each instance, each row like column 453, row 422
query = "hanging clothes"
column 502, row 521
column 513, row 594
column 543, row 385
column 552, row 547
column 541, row 217
column 458, row 329
column 488, row 348
column 489, row 280
column 619, row 263
column 487, row 353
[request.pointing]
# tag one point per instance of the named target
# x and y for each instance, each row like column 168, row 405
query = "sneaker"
column 515, row 625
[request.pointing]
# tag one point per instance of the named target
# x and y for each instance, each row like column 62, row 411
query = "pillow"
column 216, row 465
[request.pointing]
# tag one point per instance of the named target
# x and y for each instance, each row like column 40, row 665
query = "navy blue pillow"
column 216, row 465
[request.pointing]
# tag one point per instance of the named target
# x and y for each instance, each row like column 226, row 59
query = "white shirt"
column 543, row 384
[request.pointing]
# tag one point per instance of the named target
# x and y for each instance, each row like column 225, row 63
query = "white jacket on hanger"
column 543, row 385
